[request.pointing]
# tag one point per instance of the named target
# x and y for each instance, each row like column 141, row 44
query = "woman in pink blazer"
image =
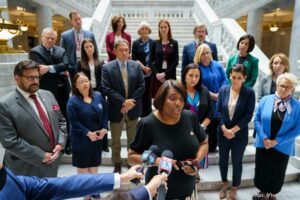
column 118, row 25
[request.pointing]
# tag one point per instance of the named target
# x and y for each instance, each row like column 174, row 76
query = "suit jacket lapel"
column 27, row 107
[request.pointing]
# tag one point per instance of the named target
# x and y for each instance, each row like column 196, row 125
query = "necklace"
column 281, row 119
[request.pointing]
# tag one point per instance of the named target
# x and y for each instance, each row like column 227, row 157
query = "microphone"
column 148, row 158
column 165, row 167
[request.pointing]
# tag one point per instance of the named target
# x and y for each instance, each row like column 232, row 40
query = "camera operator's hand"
column 155, row 182
column 131, row 174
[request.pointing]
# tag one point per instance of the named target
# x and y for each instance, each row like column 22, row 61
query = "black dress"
column 182, row 139
column 271, row 164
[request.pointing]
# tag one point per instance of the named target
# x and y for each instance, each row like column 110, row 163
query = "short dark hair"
column 186, row 70
column 119, row 42
column 251, row 42
column 23, row 65
column 73, row 13
column 75, row 91
column 114, row 23
column 239, row 68
column 162, row 92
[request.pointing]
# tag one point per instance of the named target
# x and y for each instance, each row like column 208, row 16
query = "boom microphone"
column 165, row 167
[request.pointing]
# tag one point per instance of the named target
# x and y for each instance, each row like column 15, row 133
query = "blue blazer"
column 113, row 87
column 243, row 110
column 33, row 188
column 67, row 42
column 289, row 130
column 189, row 51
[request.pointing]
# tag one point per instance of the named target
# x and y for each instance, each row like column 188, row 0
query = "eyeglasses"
column 285, row 87
column 31, row 78
column 83, row 81
column 175, row 99
column 205, row 53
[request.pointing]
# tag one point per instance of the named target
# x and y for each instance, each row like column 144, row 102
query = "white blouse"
column 231, row 104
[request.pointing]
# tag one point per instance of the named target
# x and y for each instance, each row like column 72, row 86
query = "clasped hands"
column 270, row 143
column 127, row 105
column 229, row 133
column 51, row 157
column 96, row 135
column 161, row 77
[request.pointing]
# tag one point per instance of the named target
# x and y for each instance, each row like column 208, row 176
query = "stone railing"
column 153, row 8
column 234, row 8
column 99, row 22
column 63, row 7
column 156, row 13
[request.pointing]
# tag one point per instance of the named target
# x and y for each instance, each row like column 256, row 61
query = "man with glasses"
column 33, row 130
column 200, row 32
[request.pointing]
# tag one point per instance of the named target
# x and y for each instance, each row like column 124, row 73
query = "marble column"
column 294, row 53
column 255, row 24
column 44, row 18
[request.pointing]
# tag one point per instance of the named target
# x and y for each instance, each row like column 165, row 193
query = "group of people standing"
column 208, row 108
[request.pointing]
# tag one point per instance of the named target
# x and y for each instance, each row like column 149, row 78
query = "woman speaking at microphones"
column 174, row 129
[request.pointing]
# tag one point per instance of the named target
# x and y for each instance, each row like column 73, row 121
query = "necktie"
column 124, row 77
column 44, row 119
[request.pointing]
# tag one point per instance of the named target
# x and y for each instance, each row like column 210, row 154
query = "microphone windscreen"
column 154, row 149
column 167, row 153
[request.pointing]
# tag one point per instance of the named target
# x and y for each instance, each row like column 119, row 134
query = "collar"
column 75, row 31
column 25, row 94
column 282, row 104
column 120, row 63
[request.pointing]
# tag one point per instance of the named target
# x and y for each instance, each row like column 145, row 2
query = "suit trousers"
column 116, row 130
column 237, row 146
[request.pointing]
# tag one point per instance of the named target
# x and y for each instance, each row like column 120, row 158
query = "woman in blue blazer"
column 235, row 107
column 88, row 116
column 277, row 124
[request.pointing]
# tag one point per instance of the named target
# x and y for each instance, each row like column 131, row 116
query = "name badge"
column 164, row 65
column 78, row 54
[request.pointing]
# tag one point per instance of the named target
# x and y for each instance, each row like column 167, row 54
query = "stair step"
column 211, row 178
column 14, row 57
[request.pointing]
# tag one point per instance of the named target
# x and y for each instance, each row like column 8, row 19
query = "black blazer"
column 206, row 109
column 243, row 110
column 157, row 58
column 87, row 71
column 138, row 52
column 59, row 59
column 113, row 87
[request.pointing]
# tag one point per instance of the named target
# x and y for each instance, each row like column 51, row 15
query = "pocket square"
column 56, row 107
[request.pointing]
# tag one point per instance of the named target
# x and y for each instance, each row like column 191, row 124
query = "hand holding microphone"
column 165, row 167
column 148, row 157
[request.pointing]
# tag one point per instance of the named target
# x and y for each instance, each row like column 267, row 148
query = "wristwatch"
column 203, row 126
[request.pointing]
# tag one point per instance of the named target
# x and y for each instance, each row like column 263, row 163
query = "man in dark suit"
column 200, row 32
column 33, row 130
column 71, row 40
column 53, row 62
column 123, row 84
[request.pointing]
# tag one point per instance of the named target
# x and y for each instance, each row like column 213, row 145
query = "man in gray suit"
column 33, row 130
column 123, row 84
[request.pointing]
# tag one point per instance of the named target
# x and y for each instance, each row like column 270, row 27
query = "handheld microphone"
column 148, row 157
column 165, row 167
